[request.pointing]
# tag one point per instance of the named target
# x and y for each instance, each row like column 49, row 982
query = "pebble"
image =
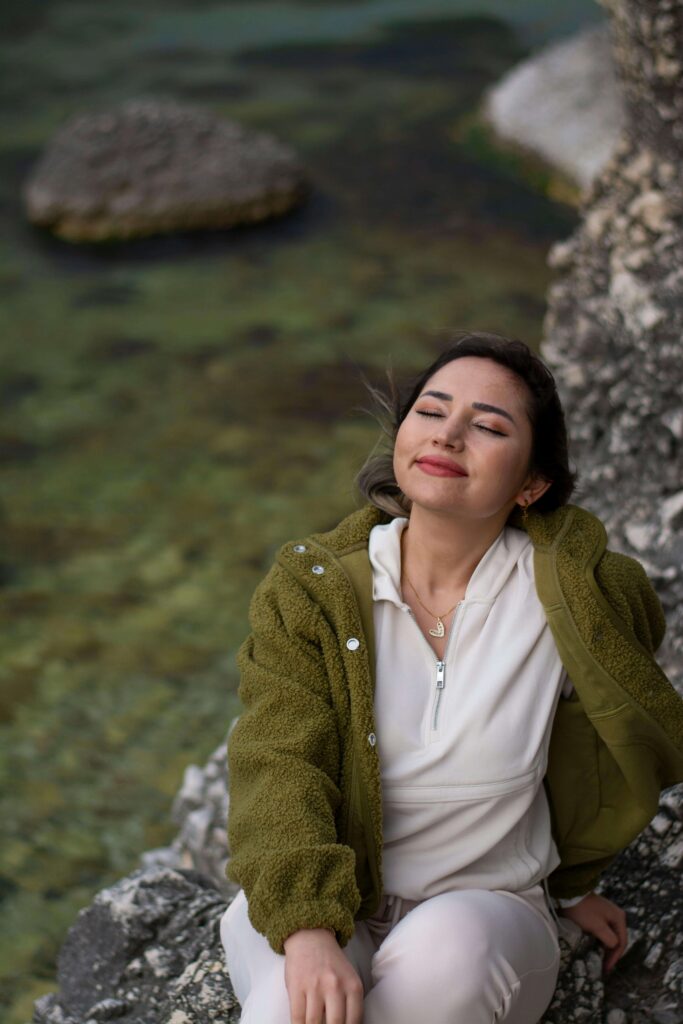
column 653, row 955
column 673, row 856
column 673, row 978
column 661, row 824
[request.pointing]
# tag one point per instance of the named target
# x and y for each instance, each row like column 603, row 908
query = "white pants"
column 472, row 956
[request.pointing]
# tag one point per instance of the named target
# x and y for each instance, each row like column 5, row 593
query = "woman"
column 453, row 718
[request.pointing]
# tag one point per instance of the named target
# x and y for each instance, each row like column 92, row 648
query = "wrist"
column 305, row 935
column 572, row 902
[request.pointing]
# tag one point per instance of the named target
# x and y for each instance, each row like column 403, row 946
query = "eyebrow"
column 483, row 406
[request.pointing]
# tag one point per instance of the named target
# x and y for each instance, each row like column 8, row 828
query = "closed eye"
column 439, row 415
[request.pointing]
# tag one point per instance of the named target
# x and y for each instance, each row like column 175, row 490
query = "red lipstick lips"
column 436, row 466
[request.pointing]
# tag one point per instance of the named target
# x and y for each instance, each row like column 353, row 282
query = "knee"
column 460, row 962
column 444, row 957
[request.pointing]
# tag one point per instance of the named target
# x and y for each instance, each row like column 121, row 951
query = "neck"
column 440, row 553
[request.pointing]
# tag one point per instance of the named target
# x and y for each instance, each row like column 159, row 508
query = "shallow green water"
column 174, row 410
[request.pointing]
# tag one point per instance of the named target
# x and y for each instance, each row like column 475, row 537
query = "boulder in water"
column 156, row 167
column 563, row 104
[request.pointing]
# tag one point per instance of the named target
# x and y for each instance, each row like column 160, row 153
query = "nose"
column 448, row 434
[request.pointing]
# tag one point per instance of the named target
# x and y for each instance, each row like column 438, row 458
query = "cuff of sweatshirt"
column 569, row 902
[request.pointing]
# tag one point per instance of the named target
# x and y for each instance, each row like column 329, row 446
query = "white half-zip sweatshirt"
column 463, row 742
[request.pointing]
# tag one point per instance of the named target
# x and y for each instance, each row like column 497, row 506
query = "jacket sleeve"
column 284, row 763
column 626, row 586
column 574, row 881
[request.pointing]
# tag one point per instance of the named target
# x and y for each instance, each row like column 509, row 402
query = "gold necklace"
column 439, row 631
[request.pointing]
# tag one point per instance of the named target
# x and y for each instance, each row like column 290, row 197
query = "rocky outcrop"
column 200, row 809
column 563, row 103
column 615, row 316
column 151, row 167
column 147, row 950
column 613, row 338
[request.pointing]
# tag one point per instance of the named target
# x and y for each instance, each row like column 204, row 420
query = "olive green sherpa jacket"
column 305, row 819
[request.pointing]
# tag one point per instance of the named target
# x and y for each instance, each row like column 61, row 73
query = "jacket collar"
column 546, row 530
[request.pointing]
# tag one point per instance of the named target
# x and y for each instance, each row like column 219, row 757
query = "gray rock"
column 153, row 166
column 200, row 809
column 616, row 310
column 146, row 951
column 563, row 104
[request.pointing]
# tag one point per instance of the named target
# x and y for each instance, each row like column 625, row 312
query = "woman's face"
column 465, row 445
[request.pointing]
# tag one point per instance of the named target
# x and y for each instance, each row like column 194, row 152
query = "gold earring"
column 525, row 513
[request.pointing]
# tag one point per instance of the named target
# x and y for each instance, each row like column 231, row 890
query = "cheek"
column 402, row 443
column 513, row 470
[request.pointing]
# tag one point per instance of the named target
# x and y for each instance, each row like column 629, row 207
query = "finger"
column 619, row 951
column 613, row 954
column 354, row 1007
column 314, row 1009
column 335, row 1008
column 609, row 961
column 297, row 1007
column 618, row 923
column 605, row 932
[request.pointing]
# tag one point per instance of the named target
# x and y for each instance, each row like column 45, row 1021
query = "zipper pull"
column 440, row 675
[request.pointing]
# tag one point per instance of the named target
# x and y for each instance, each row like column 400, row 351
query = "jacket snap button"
column 372, row 739
column 353, row 644
column 318, row 570
column 299, row 548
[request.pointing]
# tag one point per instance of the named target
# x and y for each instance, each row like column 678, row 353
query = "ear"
column 532, row 490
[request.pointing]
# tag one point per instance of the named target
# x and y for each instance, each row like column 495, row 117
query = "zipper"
column 440, row 665
column 440, row 683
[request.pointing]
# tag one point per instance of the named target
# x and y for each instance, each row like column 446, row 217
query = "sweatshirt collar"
column 489, row 576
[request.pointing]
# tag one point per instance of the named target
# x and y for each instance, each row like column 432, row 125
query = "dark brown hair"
column 549, row 450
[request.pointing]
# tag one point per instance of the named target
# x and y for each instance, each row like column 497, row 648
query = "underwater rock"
column 563, row 103
column 151, row 167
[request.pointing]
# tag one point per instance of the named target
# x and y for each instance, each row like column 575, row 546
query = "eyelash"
column 437, row 415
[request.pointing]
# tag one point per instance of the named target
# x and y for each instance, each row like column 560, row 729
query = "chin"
column 434, row 503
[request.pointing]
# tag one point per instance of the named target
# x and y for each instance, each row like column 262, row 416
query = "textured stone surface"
column 154, row 166
column 200, row 809
column 146, row 951
column 563, row 103
column 615, row 317
column 613, row 338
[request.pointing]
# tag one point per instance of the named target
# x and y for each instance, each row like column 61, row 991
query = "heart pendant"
column 439, row 631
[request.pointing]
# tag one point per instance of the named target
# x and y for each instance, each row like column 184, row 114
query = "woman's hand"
column 321, row 983
column 603, row 919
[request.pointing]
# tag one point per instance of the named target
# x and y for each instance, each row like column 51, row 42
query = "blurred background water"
column 174, row 409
